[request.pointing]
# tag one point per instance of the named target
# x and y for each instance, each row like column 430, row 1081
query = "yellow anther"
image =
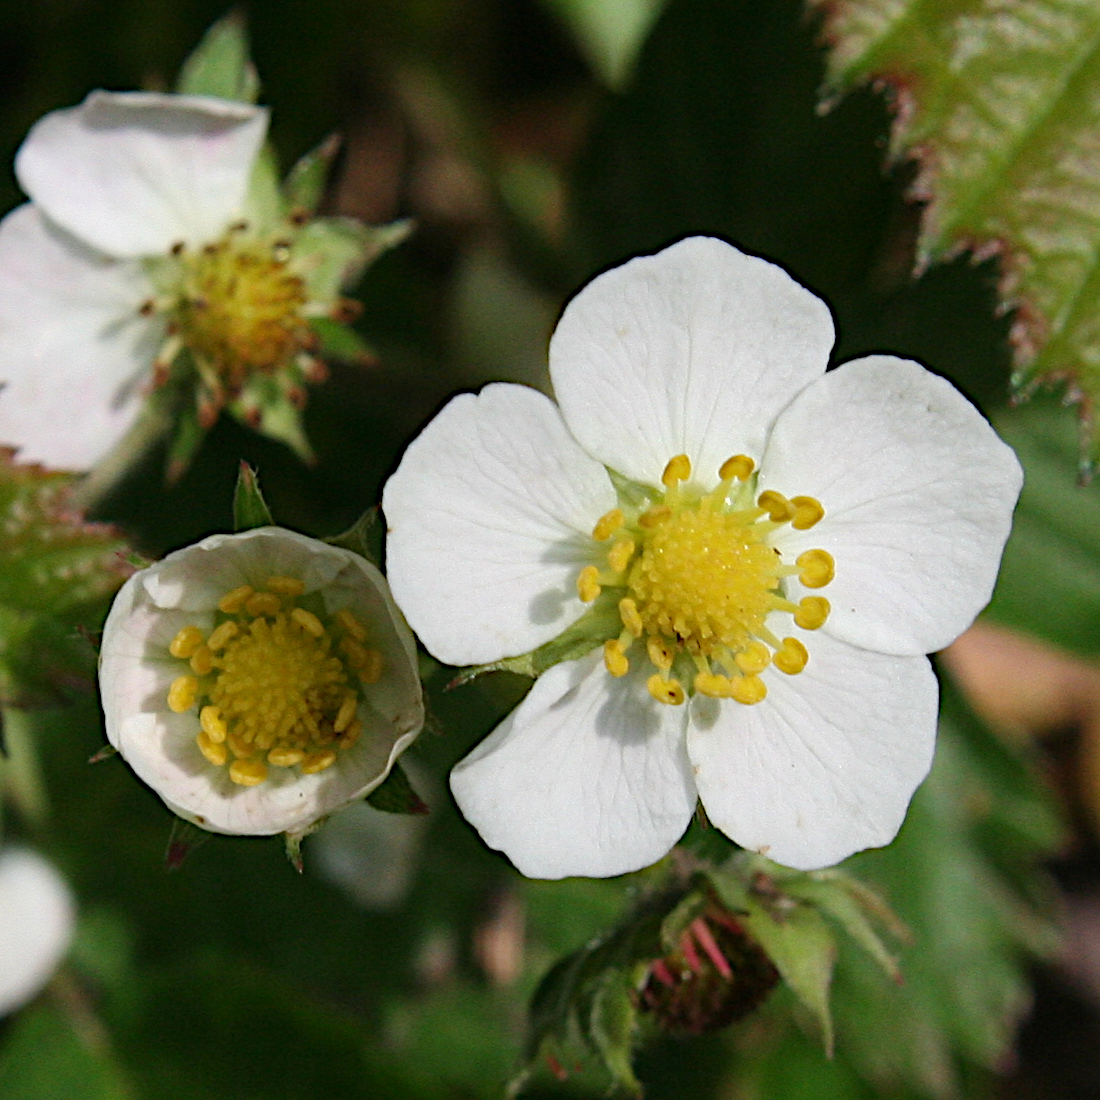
column 186, row 642
column 210, row 718
column 214, row 751
column 233, row 601
column 263, row 603
column 350, row 735
column 370, row 671
column 678, row 469
column 285, row 586
column 628, row 612
column 588, row 585
column 202, row 661
column 660, row 652
column 223, row 636
column 816, row 568
column 653, row 516
column 248, row 773
column 807, row 512
column 792, row 658
column 318, row 761
column 812, row 612
column 748, row 690
column 710, row 683
column 755, row 658
column 665, row 691
column 778, row 507
column 614, row 658
column 346, row 713
column 183, row 693
column 608, row 524
column 283, row 756
column 739, row 466
column 238, row 746
column 351, row 624
column 620, row 554
column 308, row 622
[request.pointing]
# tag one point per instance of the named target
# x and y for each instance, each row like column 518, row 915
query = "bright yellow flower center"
column 696, row 577
column 274, row 683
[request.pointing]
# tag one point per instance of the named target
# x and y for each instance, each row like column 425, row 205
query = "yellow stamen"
column 614, row 659
column 346, row 713
column 620, row 554
column 628, row 612
column 778, row 507
column 807, row 512
column 816, row 568
column 588, row 585
column 283, row 757
column 232, row 602
column 792, row 658
column 713, row 685
column 285, row 586
column 660, row 653
column 248, row 773
column 678, row 469
column 748, row 690
column 739, row 466
column 812, row 612
column 318, row 761
column 202, row 661
column 608, row 524
column 370, row 671
column 210, row 718
column 213, row 750
column 263, row 603
column 308, row 622
column 350, row 735
column 665, row 691
column 653, row 516
column 238, row 746
column 186, row 642
column 351, row 624
column 222, row 636
column 183, row 693
column 754, row 659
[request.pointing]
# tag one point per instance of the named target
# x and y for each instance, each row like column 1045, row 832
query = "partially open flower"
column 738, row 560
column 259, row 681
column 36, row 925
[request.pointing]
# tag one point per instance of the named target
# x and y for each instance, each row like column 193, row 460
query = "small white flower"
column 142, row 241
column 766, row 552
column 36, row 925
column 259, row 681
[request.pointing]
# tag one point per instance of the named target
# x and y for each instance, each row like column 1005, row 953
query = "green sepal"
column 340, row 249
column 183, row 838
column 396, row 795
column 363, row 537
column 187, row 438
column 108, row 752
column 265, row 407
column 250, row 510
column 600, row 622
column 220, row 65
column 342, row 343
column 306, row 181
column 265, row 204
column 613, row 1027
column 632, row 493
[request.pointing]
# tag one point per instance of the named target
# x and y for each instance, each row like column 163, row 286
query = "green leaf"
column 1001, row 107
column 305, row 183
column 339, row 342
column 613, row 1024
column 220, row 64
column 249, row 507
column 396, row 794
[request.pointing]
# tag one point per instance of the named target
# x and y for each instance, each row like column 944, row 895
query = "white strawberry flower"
column 36, row 924
column 259, row 681
column 756, row 554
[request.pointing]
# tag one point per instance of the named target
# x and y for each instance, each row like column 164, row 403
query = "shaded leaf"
column 396, row 794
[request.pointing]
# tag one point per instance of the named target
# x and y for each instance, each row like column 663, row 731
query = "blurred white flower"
column 259, row 681
column 702, row 487
column 36, row 925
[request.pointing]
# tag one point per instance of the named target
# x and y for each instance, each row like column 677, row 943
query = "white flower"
column 766, row 552
column 36, row 925
column 259, row 681
column 142, row 241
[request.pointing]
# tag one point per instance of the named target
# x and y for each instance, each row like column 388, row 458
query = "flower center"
column 274, row 683
column 695, row 576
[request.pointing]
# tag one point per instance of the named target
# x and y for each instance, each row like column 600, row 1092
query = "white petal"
column 588, row 776
column 131, row 173
column 73, row 347
column 490, row 517
column 36, row 925
column 918, row 494
column 826, row 764
column 136, row 672
column 693, row 351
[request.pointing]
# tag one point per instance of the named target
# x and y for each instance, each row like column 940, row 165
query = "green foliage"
column 220, row 65
column 998, row 103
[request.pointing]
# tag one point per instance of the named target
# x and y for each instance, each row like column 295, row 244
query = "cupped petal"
column 918, row 494
column 692, row 351
column 36, row 925
column 826, row 764
column 136, row 672
column 587, row 776
column 73, row 345
column 132, row 173
column 489, row 520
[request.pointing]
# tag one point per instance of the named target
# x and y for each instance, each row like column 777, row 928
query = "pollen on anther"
column 738, row 466
column 308, row 622
column 202, row 661
column 248, row 773
column 614, row 659
column 263, row 603
column 812, row 612
column 670, row 692
column 186, row 642
column 608, row 524
column 807, row 512
column 588, row 585
column 222, row 636
column 351, row 624
column 233, row 602
column 778, row 507
column 678, row 469
column 713, row 685
column 210, row 718
column 792, row 658
column 619, row 555
column 754, row 658
column 632, row 620
column 183, row 694
column 285, row 586
column 748, row 690
column 816, row 568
